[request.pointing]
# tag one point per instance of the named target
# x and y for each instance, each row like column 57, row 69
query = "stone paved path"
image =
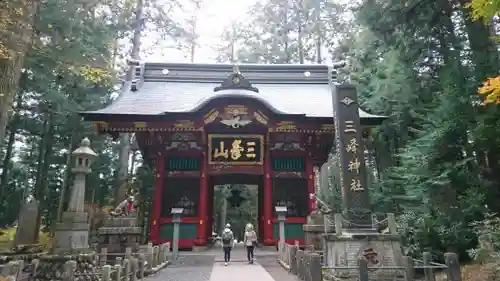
column 209, row 266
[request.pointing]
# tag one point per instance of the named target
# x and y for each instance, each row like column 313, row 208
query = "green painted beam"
column 292, row 231
column 186, row 231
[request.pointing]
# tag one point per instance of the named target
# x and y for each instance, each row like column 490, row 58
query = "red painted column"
column 203, row 206
column 268, row 201
column 310, row 181
column 157, row 200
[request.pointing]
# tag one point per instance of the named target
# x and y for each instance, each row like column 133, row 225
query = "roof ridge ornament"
column 236, row 81
column 137, row 76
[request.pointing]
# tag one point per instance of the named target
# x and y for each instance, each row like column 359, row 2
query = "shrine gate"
column 200, row 125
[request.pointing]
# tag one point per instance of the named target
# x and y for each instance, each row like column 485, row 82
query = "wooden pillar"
column 203, row 203
column 310, row 181
column 268, row 201
column 157, row 201
column 210, row 212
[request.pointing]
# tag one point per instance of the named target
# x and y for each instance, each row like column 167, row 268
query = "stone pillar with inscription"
column 355, row 234
column 350, row 152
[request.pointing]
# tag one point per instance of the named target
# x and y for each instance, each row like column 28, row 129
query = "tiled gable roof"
column 286, row 89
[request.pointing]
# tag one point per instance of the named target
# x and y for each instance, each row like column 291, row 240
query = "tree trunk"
column 40, row 173
column 125, row 147
column 299, row 32
column 223, row 212
column 67, row 175
column 317, row 27
column 123, row 160
column 10, row 146
column 10, row 68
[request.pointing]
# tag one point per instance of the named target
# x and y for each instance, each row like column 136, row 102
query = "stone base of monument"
column 119, row 233
column 72, row 233
column 83, row 267
column 382, row 251
column 314, row 231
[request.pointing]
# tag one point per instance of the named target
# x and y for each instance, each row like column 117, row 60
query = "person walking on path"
column 227, row 243
column 250, row 240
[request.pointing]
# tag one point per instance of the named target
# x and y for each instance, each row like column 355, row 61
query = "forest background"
column 431, row 65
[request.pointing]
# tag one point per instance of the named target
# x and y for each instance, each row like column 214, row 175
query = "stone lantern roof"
column 84, row 149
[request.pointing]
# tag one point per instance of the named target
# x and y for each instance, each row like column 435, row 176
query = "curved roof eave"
column 235, row 94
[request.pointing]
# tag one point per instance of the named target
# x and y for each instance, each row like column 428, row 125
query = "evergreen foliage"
column 434, row 162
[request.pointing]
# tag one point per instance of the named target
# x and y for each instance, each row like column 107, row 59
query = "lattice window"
column 181, row 193
column 291, row 193
column 288, row 164
column 176, row 163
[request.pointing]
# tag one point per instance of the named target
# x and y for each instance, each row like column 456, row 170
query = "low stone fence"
column 308, row 267
column 155, row 256
column 127, row 266
column 19, row 269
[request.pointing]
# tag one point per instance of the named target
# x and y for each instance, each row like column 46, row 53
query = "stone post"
column 167, row 251
column 409, row 270
column 142, row 266
column 7, row 269
column 126, row 270
column 35, row 263
column 73, row 232
column 391, row 223
column 149, row 257
column 119, row 261
column 338, row 223
column 133, row 269
column 20, row 266
column 159, row 254
column 300, row 264
column 128, row 252
column 163, row 249
column 281, row 212
column 363, row 269
column 293, row 261
column 176, row 213
column 103, row 256
column 69, row 271
column 155, row 256
column 453, row 271
column 106, row 273
column 429, row 274
column 316, row 267
column 118, row 272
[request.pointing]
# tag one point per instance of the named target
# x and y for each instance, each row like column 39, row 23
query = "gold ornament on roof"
column 236, row 69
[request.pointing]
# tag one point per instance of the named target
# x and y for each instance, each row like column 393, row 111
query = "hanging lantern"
column 236, row 199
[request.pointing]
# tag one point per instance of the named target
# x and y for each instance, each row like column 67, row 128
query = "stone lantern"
column 83, row 160
column 84, row 155
column 72, row 233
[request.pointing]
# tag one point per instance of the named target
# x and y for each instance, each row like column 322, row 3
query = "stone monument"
column 26, row 232
column 356, row 236
column 72, row 233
